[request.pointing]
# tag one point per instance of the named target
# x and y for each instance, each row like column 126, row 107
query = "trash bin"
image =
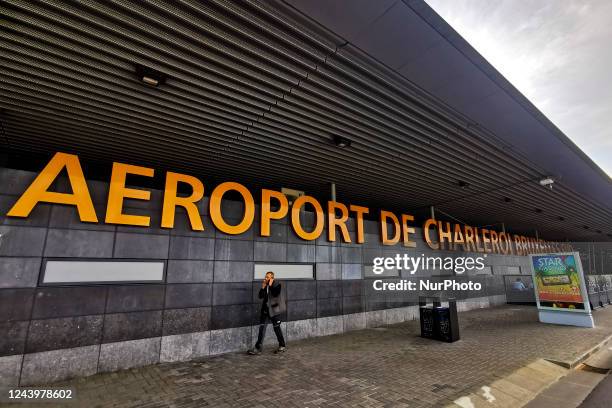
column 437, row 322
column 427, row 322
column 445, row 327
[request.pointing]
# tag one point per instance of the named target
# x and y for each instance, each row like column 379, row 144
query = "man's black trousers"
column 263, row 323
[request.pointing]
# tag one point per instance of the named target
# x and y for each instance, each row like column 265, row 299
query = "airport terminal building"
column 158, row 158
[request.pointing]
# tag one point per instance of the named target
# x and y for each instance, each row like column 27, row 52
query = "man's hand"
column 271, row 281
column 264, row 283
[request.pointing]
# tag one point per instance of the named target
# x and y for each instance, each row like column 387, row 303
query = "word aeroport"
column 413, row 264
column 332, row 215
column 425, row 284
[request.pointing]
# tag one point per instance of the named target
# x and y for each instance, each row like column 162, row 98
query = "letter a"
column 38, row 190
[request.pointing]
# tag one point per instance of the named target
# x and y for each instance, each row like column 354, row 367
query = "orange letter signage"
column 384, row 215
column 171, row 200
column 117, row 192
column 215, row 208
column 295, row 218
column 38, row 190
column 267, row 214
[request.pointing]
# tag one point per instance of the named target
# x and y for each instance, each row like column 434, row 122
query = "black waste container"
column 427, row 322
column 446, row 326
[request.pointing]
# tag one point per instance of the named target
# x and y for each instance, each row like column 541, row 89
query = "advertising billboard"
column 559, row 282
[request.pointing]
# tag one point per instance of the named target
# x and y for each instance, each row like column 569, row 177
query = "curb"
column 580, row 359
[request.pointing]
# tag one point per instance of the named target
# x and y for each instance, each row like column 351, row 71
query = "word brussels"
column 274, row 206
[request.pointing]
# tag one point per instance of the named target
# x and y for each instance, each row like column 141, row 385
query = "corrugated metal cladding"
column 256, row 92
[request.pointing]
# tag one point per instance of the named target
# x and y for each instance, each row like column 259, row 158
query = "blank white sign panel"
column 284, row 271
column 100, row 271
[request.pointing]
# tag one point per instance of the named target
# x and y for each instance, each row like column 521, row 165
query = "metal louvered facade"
column 256, row 92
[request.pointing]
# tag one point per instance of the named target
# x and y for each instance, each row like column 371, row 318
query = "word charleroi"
column 392, row 228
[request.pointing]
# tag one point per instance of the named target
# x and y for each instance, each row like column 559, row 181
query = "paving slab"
column 502, row 348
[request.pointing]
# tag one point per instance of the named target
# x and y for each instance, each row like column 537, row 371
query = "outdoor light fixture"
column 463, row 184
column 561, row 218
column 538, row 210
column 150, row 76
column 507, row 199
column 585, row 226
column 341, row 142
column 547, row 182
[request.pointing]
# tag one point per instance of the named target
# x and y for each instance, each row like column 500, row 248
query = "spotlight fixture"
column 463, row 184
column 341, row 142
column 150, row 76
column 561, row 218
column 547, row 182
column 538, row 210
column 507, row 199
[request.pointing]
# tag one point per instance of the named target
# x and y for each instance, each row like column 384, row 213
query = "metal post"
column 433, row 213
column 333, row 191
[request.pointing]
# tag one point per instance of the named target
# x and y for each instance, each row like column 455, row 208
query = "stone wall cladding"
column 208, row 303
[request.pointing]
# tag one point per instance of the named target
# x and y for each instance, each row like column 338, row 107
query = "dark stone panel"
column 15, row 182
column 188, row 295
column 190, row 320
column 352, row 287
column 270, row 251
column 39, row 217
column 278, row 232
column 19, row 272
column 66, row 332
column 79, row 243
column 376, row 305
column 329, row 307
column 12, row 338
column 132, row 298
column 191, row 248
column 69, row 301
column 132, row 326
column 353, row 304
column 67, row 216
column 492, row 285
column 245, row 236
column 22, row 241
column 15, row 304
column 141, row 246
column 301, row 253
column 328, row 289
column 298, row 290
column 327, row 254
column 182, row 225
column 154, row 222
column 233, row 250
column 232, row 293
column 187, row 271
column 301, row 309
column 227, row 316
column 350, row 254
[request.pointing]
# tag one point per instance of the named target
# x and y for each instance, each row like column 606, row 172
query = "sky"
column 558, row 53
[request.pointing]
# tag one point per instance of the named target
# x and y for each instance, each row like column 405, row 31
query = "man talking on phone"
column 271, row 308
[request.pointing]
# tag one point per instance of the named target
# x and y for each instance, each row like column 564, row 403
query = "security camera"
column 547, row 182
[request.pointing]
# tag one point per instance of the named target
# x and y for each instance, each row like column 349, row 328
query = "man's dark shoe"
column 281, row 349
column 254, row 351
